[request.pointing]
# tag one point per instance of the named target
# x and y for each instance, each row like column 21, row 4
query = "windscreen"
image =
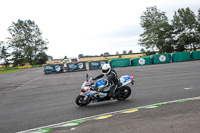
column 74, row 60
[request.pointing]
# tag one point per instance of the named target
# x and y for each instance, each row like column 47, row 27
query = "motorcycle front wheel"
column 123, row 93
column 80, row 101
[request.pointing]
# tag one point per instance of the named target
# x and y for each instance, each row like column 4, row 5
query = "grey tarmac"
column 181, row 117
column 29, row 99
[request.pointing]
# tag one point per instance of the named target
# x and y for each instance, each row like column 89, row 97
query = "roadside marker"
column 131, row 111
column 103, row 117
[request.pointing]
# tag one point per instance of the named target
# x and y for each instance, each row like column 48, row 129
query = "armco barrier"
column 141, row 61
column 120, row 62
column 181, row 56
column 160, row 58
column 76, row 66
column 54, row 68
column 195, row 55
column 97, row 64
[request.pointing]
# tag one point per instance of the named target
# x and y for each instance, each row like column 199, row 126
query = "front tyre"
column 123, row 93
column 80, row 101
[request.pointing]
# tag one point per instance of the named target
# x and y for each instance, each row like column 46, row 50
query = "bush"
column 150, row 52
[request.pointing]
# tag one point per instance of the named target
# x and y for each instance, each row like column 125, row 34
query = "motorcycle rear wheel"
column 123, row 93
column 80, row 102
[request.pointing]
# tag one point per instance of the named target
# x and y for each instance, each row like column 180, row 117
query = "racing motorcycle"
column 89, row 90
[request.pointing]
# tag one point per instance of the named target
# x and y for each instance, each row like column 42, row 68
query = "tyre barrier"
column 153, row 59
column 160, row 58
column 76, row 66
column 181, row 56
column 120, row 62
column 141, row 61
column 97, row 64
column 195, row 55
column 54, row 68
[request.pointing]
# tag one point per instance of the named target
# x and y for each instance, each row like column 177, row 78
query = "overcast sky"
column 89, row 27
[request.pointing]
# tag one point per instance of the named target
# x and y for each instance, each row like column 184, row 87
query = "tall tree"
column 198, row 30
column 4, row 55
column 185, row 29
column 124, row 52
column 1, row 43
column 65, row 57
column 106, row 54
column 130, row 52
column 156, row 29
column 26, row 41
column 41, row 58
column 80, row 56
column 142, row 50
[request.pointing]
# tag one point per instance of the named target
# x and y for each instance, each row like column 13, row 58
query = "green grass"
column 9, row 71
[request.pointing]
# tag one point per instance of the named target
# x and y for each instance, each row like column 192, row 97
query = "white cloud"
column 86, row 27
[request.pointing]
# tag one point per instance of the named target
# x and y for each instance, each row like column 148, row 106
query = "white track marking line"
column 72, row 128
column 88, row 118
column 188, row 88
column 18, row 88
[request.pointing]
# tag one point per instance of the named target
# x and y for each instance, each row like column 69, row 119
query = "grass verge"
column 9, row 71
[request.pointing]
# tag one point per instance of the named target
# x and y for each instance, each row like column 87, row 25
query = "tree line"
column 25, row 45
column 105, row 54
column 180, row 34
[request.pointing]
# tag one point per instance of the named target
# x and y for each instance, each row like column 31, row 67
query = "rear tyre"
column 80, row 101
column 123, row 93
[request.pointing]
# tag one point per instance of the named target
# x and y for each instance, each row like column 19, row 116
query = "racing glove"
column 93, row 79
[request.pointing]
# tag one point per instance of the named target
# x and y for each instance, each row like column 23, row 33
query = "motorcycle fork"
column 85, row 98
column 84, row 95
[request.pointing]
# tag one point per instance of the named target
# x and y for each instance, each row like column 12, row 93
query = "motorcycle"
column 89, row 90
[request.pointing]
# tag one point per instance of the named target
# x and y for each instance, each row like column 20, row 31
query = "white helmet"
column 106, row 68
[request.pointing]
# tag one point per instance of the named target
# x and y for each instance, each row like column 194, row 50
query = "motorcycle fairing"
column 126, row 79
column 101, row 82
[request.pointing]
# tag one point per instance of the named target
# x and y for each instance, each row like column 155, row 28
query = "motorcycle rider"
column 112, row 79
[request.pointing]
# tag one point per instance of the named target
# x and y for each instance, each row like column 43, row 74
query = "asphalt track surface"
column 30, row 99
column 180, row 116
